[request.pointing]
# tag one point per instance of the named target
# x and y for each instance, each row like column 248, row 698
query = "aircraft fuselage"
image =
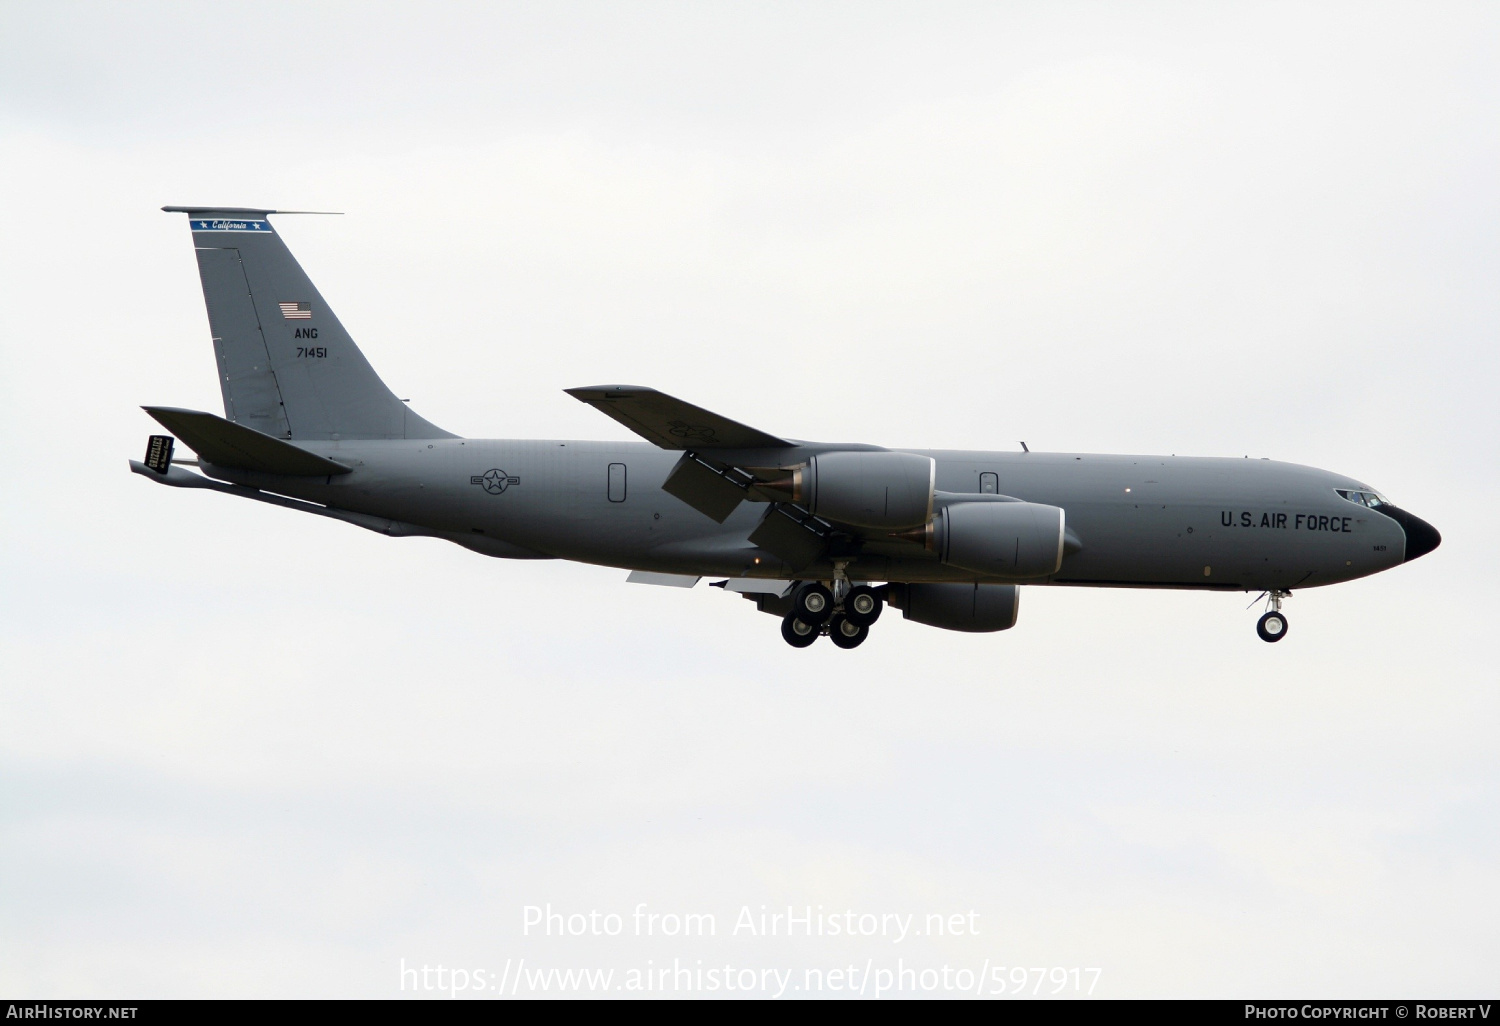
column 1137, row 521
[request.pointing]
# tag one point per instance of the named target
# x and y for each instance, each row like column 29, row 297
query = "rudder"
column 286, row 365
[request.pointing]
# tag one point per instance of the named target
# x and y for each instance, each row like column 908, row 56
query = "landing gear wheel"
column 812, row 604
column 845, row 633
column 862, row 605
column 797, row 633
column 1272, row 626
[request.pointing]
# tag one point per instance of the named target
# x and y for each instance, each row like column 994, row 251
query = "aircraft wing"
column 671, row 423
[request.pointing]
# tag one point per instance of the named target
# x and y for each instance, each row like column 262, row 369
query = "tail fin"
column 286, row 365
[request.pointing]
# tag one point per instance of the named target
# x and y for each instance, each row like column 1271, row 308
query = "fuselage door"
column 989, row 483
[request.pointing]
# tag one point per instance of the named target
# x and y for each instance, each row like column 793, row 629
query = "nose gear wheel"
column 1272, row 625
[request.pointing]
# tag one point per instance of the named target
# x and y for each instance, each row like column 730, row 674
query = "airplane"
column 821, row 535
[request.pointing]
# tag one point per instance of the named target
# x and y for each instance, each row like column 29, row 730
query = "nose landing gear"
column 1272, row 625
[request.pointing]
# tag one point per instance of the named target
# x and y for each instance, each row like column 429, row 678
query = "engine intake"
column 1000, row 539
column 882, row 490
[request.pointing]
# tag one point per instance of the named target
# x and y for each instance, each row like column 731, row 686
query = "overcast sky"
column 246, row 752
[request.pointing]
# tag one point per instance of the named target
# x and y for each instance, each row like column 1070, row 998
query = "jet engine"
column 999, row 539
column 882, row 490
column 972, row 608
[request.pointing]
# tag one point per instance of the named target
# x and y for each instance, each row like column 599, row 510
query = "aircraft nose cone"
column 1421, row 537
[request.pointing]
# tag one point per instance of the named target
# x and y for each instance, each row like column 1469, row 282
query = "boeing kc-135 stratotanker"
column 822, row 535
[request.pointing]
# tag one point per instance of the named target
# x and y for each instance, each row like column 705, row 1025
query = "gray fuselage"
column 1133, row 521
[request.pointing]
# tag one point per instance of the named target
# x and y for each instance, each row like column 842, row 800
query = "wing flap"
column 662, row 580
column 703, row 488
column 227, row 444
column 795, row 541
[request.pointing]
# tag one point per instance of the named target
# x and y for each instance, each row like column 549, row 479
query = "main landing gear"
column 797, row 633
column 1272, row 626
column 843, row 612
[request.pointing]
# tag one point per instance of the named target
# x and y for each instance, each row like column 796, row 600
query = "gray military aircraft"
column 823, row 535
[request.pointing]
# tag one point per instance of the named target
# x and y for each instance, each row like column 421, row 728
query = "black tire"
column 813, row 604
column 845, row 633
column 797, row 633
column 862, row 605
column 1272, row 626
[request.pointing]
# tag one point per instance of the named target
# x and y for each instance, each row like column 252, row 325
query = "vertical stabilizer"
column 286, row 365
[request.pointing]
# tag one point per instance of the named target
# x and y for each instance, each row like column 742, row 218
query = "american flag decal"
column 296, row 311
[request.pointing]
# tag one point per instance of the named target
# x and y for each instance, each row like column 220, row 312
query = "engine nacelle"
column 1000, row 539
column 882, row 490
column 973, row 608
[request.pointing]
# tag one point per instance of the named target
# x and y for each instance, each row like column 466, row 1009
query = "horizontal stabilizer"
column 237, row 447
column 671, row 423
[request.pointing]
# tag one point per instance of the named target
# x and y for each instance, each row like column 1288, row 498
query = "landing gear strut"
column 1272, row 626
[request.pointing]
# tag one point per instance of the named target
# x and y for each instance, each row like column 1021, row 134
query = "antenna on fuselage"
column 1023, row 447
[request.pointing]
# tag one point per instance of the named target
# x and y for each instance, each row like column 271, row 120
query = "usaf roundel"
column 494, row 481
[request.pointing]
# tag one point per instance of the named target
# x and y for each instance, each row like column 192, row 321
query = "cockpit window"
column 1370, row 499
